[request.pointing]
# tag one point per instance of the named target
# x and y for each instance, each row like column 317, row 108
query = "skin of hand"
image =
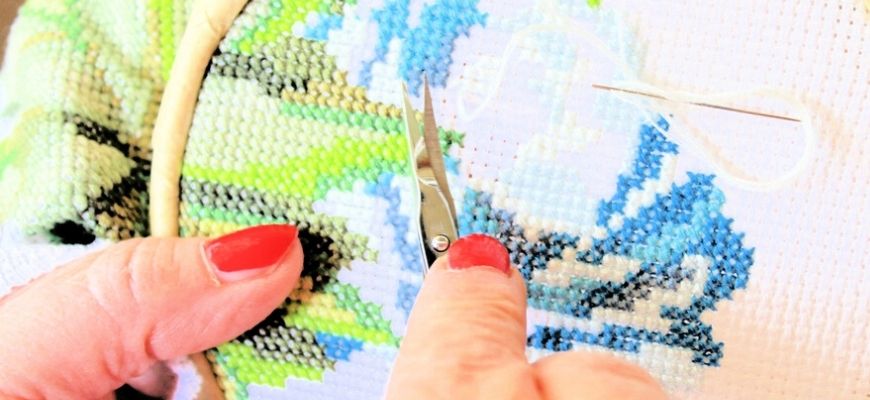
column 466, row 339
column 111, row 317
column 114, row 316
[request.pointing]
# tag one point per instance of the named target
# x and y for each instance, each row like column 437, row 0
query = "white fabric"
column 801, row 329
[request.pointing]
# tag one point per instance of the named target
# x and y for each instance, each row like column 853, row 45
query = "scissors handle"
column 439, row 231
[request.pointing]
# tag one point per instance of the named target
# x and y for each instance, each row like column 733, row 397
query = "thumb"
column 467, row 331
column 84, row 329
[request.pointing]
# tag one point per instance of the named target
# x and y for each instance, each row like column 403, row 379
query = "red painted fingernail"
column 477, row 250
column 250, row 251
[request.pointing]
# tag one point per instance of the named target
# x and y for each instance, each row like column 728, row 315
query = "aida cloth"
column 657, row 232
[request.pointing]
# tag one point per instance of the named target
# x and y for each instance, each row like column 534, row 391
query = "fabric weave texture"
column 630, row 238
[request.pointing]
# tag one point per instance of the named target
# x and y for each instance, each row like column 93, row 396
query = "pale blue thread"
column 325, row 23
column 408, row 252
column 426, row 48
column 687, row 220
column 338, row 347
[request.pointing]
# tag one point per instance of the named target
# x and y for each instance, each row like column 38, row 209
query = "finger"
column 593, row 376
column 157, row 381
column 86, row 328
column 466, row 333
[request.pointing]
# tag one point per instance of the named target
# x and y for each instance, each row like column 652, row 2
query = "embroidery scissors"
column 436, row 210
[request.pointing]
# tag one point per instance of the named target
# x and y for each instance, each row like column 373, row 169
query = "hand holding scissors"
column 466, row 336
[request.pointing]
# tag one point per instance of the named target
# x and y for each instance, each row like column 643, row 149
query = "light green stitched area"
column 348, row 160
column 280, row 18
column 366, row 121
column 242, row 363
column 11, row 150
column 165, row 9
column 71, row 61
column 347, row 298
column 64, row 16
column 318, row 320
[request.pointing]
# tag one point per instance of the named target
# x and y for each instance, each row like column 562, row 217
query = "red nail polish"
column 252, row 248
column 476, row 250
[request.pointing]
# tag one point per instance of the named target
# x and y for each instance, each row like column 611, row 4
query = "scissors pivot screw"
column 440, row 243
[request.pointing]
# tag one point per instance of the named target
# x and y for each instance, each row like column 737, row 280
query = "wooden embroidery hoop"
column 208, row 23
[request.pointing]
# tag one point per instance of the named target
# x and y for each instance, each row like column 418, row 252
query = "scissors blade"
column 412, row 134
column 433, row 146
column 412, row 127
column 437, row 218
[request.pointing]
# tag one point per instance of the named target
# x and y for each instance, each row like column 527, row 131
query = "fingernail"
column 249, row 252
column 477, row 250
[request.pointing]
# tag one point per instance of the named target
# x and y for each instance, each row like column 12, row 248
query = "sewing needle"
column 708, row 105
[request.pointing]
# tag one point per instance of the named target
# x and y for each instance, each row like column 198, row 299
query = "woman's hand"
column 466, row 339
column 88, row 327
column 112, row 317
